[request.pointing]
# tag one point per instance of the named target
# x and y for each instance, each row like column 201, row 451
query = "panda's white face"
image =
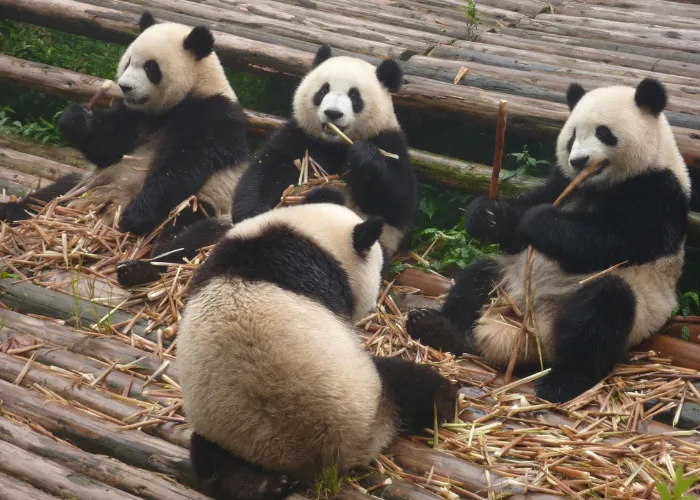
column 607, row 125
column 344, row 91
column 157, row 71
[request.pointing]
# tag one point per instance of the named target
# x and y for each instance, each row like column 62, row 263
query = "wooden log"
column 395, row 490
column 616, row 13
column 35, row 165
column 609, row 45
column 15, row 489
column 101, row 347
column 34, row 299
column 20, row 179
column 654, row 6
column 64, row 155
column 112, row 472
column 678, row 328
column 97, row 435
column 11, row 367
column 54, row 478
column 684, row 354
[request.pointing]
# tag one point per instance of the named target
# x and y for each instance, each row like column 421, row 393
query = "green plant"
column 525, row 164
column 473, row 20
column 681, row 487
column 328, row 482
column 44, row 131
column 688, row 304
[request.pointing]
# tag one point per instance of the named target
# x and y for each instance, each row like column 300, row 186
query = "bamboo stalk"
column 340, row 133
column 500, row 140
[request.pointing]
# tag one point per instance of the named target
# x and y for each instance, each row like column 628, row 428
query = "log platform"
column 526, row 51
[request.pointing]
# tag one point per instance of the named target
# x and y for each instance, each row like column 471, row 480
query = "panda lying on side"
column 276, row 384
column 356, row 97
column 635, row 209
column 179, row 120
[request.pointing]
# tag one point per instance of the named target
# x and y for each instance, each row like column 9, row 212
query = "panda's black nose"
column 333, row 114
column 126, row 88
column 580, row 162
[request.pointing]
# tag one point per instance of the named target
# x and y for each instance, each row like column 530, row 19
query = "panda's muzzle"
column 137, row 102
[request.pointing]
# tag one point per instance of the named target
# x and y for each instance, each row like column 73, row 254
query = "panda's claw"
column 277, row 486
column 131, row 273
column 433, row 329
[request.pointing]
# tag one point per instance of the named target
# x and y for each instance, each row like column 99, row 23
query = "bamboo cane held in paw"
column 580, row 178
column 500, row 139
column 349, row 141
column 101, row 92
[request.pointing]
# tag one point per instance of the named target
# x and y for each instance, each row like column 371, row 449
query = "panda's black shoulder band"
column 325, row 194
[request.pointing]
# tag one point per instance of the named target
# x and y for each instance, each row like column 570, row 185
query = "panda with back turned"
column 178, row 120
column 276, row 384
column 355, row 96
column 633, row 210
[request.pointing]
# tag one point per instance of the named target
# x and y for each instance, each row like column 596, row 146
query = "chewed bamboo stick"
column 500, row 140
column 340, row 133
column 101, row 92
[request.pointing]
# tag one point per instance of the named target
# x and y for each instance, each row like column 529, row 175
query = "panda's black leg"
column 451, row 328
column 17, row 210
column 178, row 244
column 227, row 477
column 415, row 390
column 590, row 335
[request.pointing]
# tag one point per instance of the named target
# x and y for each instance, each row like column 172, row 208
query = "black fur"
column 321, row 93
column 152, row 70
column 322, row 54
column 574, row 94
column 415, row 391
column 367, row 234
column 16, row 210
column 202, row 136
column 325, row 194
column 496, row 220
column 591, row 337
column 146, row 21
column 639, row 220
column 200, row 42
column 570, row 142
column 390, row 74
column 225, row 476
column 651, row 95
column 356, row 99
column 451, row 328
column 605, row 135
column 378, row 185
column 285, row 258
column 189, row 238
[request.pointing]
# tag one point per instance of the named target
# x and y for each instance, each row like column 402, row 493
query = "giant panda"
column 178, row 121
column 356, row 97
column 276, row 384
column 633, row 210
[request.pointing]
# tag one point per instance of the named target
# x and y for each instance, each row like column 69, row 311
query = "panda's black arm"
column 639, row 221
column 497, row 220
column 102, row 136
column 380, row 185
column 270, row 172
column 203, row 136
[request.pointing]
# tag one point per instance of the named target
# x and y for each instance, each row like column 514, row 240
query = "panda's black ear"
column 147, row 20
column 325, row 194
column 574, row 94
column 366, row 234
column 200, row 41
column 390, row 74
column 651, row 95
column 322, row 54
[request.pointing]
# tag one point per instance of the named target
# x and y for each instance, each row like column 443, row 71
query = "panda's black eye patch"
column 153, row 71
column 321, row 93
column 570, row 144
column 605, row 135
column 356, row 99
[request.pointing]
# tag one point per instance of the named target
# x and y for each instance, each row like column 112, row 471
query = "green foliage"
column 473, row 20
column 681, row 487
column 525, row 165
column 44, row 131
column 328, row 482
column 688, row 305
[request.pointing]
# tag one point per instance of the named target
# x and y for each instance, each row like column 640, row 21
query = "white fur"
column 183, row 74
column 343, row 73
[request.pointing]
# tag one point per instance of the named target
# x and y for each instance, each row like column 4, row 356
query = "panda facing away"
column 633, row 210
column 355, row 96
column 276, row 384
column 178, row 120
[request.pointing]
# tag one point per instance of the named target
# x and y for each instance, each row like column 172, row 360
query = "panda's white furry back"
column 632, row 212
column 276, row 384
column 177, row 131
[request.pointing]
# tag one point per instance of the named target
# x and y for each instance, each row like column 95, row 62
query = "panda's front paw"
column 535, row 221
column 13, row 211
column 131, row 273
column 560, row 385
column 432, row 328
column 486, row 219
column 137, row 220
column 366, row 164
column 75, row 123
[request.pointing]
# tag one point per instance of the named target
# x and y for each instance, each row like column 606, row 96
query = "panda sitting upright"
column 633, row 210
column 178, row 120
column 356, row 97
